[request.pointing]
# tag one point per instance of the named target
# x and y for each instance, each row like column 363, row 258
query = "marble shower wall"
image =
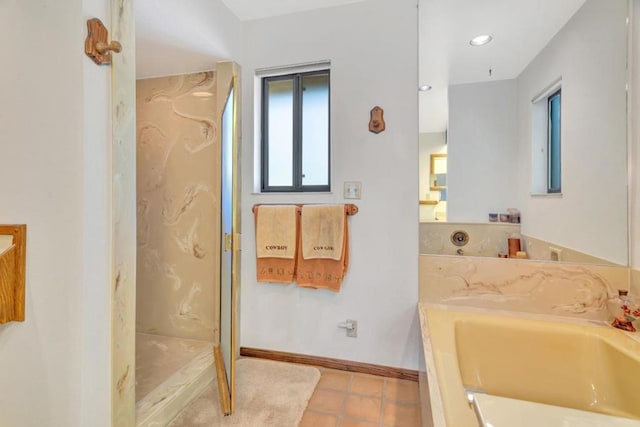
column 178, row 206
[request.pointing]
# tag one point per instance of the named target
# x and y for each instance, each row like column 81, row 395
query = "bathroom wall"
column 429, row 143
column 482, row 170
column 55, row 118
column 594, row 179
column 372, row 48
column 178, row 182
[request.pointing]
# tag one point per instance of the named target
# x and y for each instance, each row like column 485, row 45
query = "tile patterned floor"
column 345, row 399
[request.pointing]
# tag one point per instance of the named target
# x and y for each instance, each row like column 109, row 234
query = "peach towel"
column 322, row 228
column 276, row 270
column 323, row 273
column 276, row 231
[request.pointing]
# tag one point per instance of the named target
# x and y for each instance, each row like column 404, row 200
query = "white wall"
column 482, row 150
column 372, row 48
column 54, row 121
column 589, row 54
column 180, row 37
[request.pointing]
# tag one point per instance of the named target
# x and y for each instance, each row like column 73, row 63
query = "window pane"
column 554, row 143
column 315, row 130
column 280, row 132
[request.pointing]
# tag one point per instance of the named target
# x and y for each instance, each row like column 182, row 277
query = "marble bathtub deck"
column 170, row 372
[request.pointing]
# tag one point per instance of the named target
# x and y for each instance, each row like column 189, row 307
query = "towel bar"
column 350, row 208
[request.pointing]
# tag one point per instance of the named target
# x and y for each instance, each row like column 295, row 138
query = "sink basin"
column 578, row 366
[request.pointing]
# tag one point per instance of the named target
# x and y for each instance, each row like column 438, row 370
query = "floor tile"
column 327, row 401
column 334, row 380
column 315, row 419
column 402, row 391
column 363, row 407
column 351, row 422
column 397, row 414
column 366, row 384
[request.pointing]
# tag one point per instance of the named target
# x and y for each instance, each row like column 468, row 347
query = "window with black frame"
column 295, row 132
column 553, row 143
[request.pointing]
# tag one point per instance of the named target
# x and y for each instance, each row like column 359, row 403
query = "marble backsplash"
column 178, row 183
column 489, row 239
column 485, row 239
column 541, row 250
column 552, row 288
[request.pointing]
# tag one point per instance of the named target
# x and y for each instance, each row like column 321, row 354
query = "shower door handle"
column 228, row 242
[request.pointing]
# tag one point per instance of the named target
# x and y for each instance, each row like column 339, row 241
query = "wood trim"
column 12, row 274
column 327, row 362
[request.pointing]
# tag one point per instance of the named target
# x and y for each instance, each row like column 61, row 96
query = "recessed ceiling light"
column 424, row 88
column 480, row 40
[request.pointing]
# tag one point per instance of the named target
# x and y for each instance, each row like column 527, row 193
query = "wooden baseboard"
column 326, row 362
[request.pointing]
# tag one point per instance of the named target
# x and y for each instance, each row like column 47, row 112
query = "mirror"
column 550, row 69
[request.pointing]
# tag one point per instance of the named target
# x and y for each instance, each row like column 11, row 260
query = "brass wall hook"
column 96, row 45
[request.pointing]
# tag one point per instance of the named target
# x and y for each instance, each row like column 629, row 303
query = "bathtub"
column 583, row 365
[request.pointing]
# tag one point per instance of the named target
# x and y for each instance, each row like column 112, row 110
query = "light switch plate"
column 352, row 189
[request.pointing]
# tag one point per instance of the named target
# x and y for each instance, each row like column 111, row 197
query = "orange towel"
column 322, row 229
column 276, row 270
column 323, row 273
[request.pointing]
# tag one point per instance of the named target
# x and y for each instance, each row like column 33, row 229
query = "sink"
column 584, row 367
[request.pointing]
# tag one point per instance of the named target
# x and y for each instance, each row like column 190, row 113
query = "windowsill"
column 291, row 193
column 547, row 195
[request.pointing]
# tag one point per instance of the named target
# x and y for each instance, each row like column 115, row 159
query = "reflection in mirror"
column 535, row 120
column 438, row 172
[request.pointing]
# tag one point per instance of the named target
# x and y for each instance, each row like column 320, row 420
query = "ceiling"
column 520, row 29
column 258, row 9
column 166, row 30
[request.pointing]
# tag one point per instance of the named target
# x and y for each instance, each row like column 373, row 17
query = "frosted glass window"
column 315, row 130
column 295, row 132
column 280, row 134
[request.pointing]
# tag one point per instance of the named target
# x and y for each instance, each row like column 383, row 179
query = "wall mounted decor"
column 376, row 123
column 97, row 45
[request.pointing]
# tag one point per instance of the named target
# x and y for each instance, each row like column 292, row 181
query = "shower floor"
column 170, row 372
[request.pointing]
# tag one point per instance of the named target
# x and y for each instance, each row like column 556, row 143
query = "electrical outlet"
column 555, row 254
